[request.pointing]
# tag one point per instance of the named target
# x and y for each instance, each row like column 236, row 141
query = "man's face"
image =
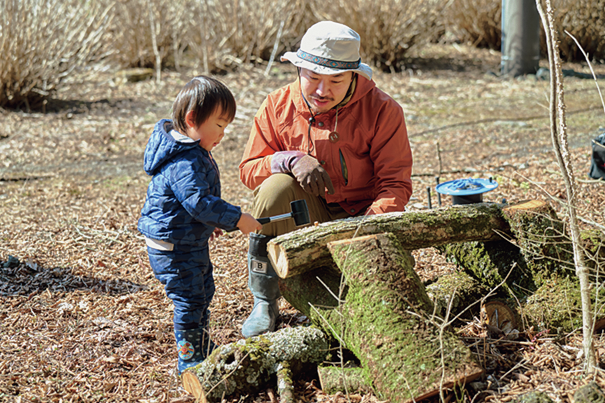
column 323, row 92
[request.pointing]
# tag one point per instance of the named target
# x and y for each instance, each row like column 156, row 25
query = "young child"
column 184, row 209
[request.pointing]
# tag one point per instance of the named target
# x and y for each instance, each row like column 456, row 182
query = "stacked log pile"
column 355, row 280
column 530, row 269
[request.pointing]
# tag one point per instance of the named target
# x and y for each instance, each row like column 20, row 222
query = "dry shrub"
column 219, row 35
column 479, row 22
column 585, row 20
column 133, row 35
column 44, row 41
column 226, row 34
column 476, row 21
column 389, row 28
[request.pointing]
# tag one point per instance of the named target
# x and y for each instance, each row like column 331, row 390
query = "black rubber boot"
column 263, row 283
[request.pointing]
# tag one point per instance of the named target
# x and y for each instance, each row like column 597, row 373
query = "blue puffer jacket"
column 184, row 202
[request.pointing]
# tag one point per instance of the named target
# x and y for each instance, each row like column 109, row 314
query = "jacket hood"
column 363, row 86
column 164, row 143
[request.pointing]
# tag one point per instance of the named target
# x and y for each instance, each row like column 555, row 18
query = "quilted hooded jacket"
column 369, row 165
column 184, row 202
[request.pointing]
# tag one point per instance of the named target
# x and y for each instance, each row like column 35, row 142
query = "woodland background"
column 81, row 316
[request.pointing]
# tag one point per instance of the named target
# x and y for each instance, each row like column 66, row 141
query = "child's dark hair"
column 202, row 95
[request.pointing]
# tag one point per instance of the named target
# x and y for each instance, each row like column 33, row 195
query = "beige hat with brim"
column 329, row 48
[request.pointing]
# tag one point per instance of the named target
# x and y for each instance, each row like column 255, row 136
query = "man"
column 332, row 138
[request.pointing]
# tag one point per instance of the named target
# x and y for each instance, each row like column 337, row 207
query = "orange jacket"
column 370, row 164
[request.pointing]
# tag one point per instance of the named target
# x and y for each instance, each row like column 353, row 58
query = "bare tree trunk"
column 204, row 35
column 154, row 42
column 559, row 139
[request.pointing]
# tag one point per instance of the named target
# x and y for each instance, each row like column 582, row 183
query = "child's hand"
column 247, row 224
column 217, row 232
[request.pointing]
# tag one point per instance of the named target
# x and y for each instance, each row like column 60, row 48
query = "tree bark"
column 247, row 366
column 334, row 379
column 385, row 320
column 534, row 269
column 536, row 250
column 303, row 250
column 457, row 293
column 541, row 237
column 589, row 393
column 323, row 287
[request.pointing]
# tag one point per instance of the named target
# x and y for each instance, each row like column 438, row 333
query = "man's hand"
column 312, row 177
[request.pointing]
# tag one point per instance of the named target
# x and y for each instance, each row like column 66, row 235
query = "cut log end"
column 192, row 384
column 527, row 205
column 498, row 316
column 281, row 265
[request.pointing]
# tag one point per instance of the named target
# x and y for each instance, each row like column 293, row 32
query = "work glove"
column 312, row 177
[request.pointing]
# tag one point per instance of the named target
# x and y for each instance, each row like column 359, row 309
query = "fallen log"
column 385, row 320
column 541, row 238
column 246, row 366
column 589, row 393
column 534, row 268
column 323, row 287
column 300, row 251
column 456, row 293
column 557, row 306
column 334, row 379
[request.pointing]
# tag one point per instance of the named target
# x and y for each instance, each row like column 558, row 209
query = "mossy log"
column 593, row 243
column 541, row 238
column 285, row 384
column 589, row 393
column 323, row 287
column 247, row 366
column 385, row 320
column 134, row 75
column 557, row 306
column 520, row 263
column 490, row 263
column 457, row 292
column 533, row 397
column 303, row 250
column 534, row 268
column 545, row 244
column 334, row 379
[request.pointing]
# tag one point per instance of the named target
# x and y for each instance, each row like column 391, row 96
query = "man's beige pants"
column 273, row 198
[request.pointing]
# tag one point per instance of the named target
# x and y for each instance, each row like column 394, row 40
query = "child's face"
column 211, row 132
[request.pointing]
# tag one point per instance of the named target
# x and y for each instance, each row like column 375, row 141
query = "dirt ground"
column 82, row 319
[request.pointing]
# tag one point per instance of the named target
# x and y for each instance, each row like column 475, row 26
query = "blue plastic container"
column 467, row 191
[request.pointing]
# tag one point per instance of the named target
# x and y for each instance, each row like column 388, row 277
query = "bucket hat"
column 329, row 48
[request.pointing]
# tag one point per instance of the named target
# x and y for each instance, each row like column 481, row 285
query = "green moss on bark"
column 335, row 379
column 459, row 291
column 248, row 365
column 490, row 263
column 557, row 305
column 589, row 393
column 384, row 322
column 319, row 287
column 534, row 397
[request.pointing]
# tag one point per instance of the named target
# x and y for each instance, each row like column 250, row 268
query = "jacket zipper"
column 343, row 167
